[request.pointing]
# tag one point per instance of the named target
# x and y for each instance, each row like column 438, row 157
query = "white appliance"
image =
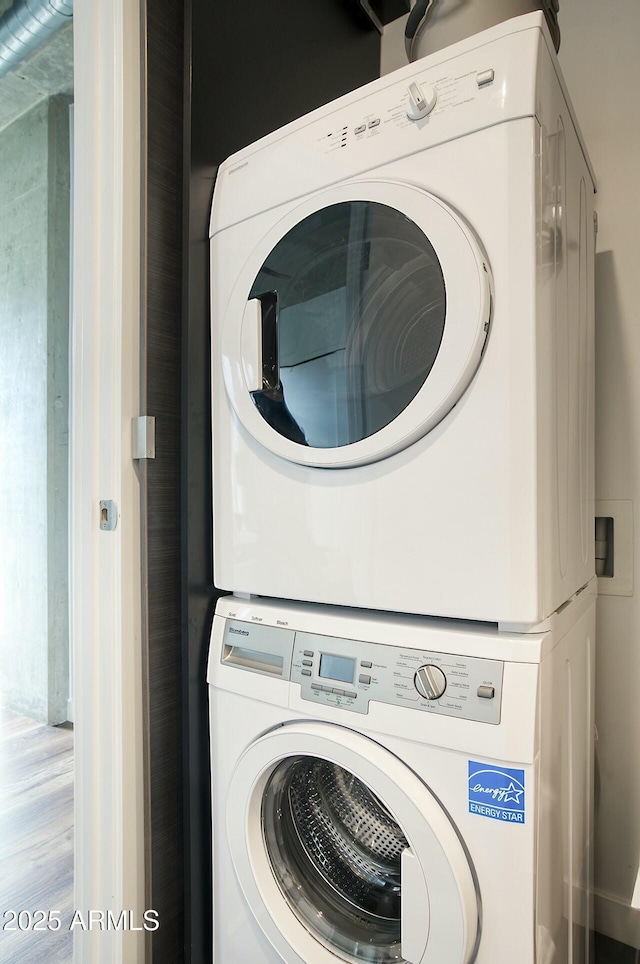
column 402, row 343
column 398, row 788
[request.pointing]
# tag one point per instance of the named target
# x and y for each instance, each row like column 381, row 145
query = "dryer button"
column 485, row 77
column 486, row 692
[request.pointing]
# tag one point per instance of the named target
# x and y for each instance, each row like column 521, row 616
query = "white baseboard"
column 617, row 919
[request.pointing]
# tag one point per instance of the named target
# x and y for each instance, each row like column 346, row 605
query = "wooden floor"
column 36, row 837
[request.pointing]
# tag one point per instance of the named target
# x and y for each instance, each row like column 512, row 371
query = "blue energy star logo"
column 495, row 792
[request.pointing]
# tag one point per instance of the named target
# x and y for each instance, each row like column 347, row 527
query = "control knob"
column 430, row 682
column 421, row 101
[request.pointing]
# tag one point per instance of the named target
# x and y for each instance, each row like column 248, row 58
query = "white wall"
column 600, row 58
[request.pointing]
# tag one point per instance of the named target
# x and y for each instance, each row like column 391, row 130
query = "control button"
column 366, row 664
column 327, row 689
column 363, row 678
column 375, row 122
column 360, row 129
column 308, row 652
column 316, row 686
column 422, row 100
column 430, row 682
column 337, row 691
column 485, row 77
column 306, row 672
column 307, row 662
column 351, row 696
column 486, row 692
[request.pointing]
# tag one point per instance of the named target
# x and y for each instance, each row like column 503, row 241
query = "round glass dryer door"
column 344, row 855
column 357, row 325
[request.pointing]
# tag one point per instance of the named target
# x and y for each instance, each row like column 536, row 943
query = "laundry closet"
column 402, row 369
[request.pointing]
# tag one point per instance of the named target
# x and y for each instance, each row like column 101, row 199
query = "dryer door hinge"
column 143, row 437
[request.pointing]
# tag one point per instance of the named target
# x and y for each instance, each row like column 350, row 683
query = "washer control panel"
column 349, row 674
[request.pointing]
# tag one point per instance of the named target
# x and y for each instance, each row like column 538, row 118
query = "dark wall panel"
column 250, row 68
column 163, row 256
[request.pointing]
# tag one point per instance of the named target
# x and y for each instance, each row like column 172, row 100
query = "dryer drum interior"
column 335, row 852
column 353, row 308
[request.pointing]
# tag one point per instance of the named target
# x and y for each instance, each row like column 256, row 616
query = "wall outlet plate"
column 621, row 511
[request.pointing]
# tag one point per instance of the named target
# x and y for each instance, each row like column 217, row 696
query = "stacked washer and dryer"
column 401, row 683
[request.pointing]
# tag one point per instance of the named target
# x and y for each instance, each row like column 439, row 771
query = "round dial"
column 421, row 101
column 430, row 682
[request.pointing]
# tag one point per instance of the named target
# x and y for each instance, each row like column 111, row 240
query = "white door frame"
column 106, row 610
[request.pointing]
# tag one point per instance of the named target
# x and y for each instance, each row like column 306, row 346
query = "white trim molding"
column 105, row 565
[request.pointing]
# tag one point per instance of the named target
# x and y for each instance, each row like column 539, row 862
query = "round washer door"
column 343, row 853
column 356, row 324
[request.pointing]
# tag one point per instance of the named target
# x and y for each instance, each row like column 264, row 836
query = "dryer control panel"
column 349, row 674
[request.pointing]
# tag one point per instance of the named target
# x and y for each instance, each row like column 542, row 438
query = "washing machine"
column 402, row 343
column 400, row 788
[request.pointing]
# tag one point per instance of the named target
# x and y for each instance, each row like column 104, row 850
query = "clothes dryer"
column 400, row 789
column 402, row 343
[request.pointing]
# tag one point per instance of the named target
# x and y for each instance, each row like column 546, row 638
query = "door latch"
column 108, row 515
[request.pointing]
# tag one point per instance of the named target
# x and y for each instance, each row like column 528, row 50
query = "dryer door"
column 343, row 853
column 356, row 324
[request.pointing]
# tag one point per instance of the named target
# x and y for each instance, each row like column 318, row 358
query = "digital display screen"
column 337, row 667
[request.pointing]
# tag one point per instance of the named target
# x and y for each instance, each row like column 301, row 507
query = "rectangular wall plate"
column 621, row 511
column 143, row 437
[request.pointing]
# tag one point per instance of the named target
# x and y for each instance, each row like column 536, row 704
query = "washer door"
column 356, row 324
column 343, row 854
